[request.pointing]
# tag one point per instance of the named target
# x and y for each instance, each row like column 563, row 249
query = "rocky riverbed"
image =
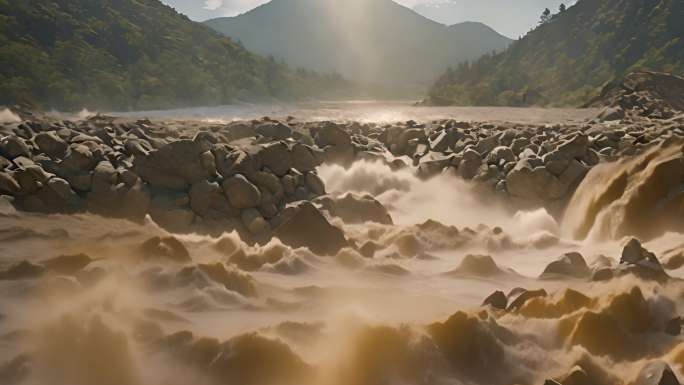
column 279, row 250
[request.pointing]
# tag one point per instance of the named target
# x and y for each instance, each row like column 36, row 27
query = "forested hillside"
column 566, row 61
column 365, row 40
column 136, row 54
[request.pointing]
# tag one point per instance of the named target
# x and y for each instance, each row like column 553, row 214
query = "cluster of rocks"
column 641, row 94
column 251, row 177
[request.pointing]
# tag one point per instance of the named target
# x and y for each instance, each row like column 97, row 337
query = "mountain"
column 510, row 18
column 566, row 61
column 364, row 40
column 140, row 54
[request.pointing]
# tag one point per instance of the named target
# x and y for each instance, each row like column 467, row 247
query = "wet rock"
column 67, row 264
column 23, row 270
column 167, row 248
column 368, row 249
column 496, row 300
column 181, row 200
column 602, row 273
column 656, row 372
column 477, row 266
column 209, row 163
column 633, row 253
column 674, row 327
column 308, row 228
column 201, row 196
column 570, row 264
column 518, row 297
column 355, row 209
column 241, row 193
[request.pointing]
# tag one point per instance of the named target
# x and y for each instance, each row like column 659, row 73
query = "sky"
column 511, row 18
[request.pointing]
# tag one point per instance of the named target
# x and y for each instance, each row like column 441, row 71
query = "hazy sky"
column 511, row 18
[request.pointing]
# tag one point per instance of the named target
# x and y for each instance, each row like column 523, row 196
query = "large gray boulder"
column 314, row 184
column 17, row 147
column 241, row 193
column 79, row 158
column 104, row 178
column 201, row 195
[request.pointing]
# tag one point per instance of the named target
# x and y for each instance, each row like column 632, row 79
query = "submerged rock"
column 308, row 228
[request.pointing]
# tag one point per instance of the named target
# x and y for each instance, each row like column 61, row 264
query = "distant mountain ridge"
column 567, row 61
column 364, row 40
column 136, row 54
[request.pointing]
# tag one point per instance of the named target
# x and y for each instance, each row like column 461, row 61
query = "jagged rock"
column 167, row 248
column 612, row 113
column 67, row 264
column 201, row 195
column 496, row 300
column 354, row 209
column 633, row 253
column 241, row 193
column 656, row 372
column 23, row 270
column 518, row 297
column 308, row 228
column 570, row 264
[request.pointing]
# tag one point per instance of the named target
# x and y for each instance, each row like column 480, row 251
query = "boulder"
column 17, row 147
column 67, row 264
column 209, row 163
column 634, row 254
column 518, row 297
column 9, row 184
column 51, row 144
column 201, row 195
column 333, row 134
column 314, row 184
column 496, row 300
column 241, row 193
column 277, row 158
column 308, row 228
column 104, row 178
column 302, row 159
column 570, row 264
column 612, row 113
column 576, row 147
column 78, row 158
column 288, row 184
column 54, row 192
column 167, row 248
column 656, row 372
column 355, row 209
column 254, row 221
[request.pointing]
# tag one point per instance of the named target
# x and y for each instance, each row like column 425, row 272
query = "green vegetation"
column 137, row 54
column 567, row 60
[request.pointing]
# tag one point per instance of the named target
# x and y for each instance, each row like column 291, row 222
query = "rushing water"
column 376, row 112
column 292, row 317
